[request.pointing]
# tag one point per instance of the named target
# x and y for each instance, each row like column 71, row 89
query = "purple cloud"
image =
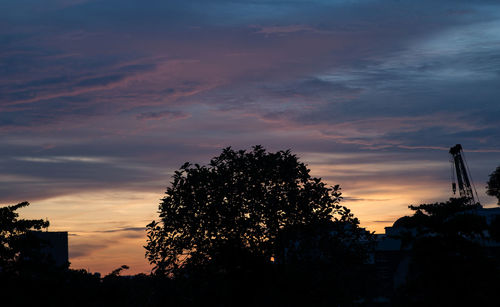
column 172, row 115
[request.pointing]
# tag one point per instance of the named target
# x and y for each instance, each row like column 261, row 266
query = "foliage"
column 493, row 185
column 15, row 240
column 232, row 211
column 453, row 217
column 446, row 254
column 116, row 272
column 325, row 242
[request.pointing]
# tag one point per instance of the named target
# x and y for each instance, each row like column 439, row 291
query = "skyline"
column 100, row 101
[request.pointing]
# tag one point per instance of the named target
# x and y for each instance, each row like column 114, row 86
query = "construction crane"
column 460, row 167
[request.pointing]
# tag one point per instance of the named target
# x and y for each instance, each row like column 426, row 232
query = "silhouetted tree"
column 493, row 187
column 29, row 278
column 231, row 212
column 116, row 272
column 453, row 217
column 256, row 225
column 449, row 264
column 16, row 242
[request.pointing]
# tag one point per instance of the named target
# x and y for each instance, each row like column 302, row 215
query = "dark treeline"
column 253, row 228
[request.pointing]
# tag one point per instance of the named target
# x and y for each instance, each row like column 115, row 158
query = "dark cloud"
column 162, row 115
column 79, row 250
column 105, row 80
column 349, row 199
column 384, row 222
column 129, row 232
column 136, row 229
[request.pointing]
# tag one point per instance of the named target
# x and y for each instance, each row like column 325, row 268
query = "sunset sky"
column 101, row 100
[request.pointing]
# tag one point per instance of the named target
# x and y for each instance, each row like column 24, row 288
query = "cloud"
column 173, row 115
column 63, row 159
column 133, row 229
column 129, row 232
column 349, row 199
column 84, row 249
column 384, row 222
column 268, row 30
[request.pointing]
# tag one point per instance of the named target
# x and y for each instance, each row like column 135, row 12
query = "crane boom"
column 463, row 178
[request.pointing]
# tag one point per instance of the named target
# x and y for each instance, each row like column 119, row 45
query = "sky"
column 102, row 100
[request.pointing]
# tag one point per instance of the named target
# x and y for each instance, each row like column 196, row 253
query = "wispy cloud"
column 268, row 30
column 63, row 159
column 173, row 115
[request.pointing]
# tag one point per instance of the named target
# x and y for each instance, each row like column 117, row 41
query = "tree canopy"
column 493, row 185
column 14, row 238
column 455, row 216
column 445, row 241
column 237, row 207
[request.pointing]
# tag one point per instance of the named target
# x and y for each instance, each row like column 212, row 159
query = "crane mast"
column 463, row 178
